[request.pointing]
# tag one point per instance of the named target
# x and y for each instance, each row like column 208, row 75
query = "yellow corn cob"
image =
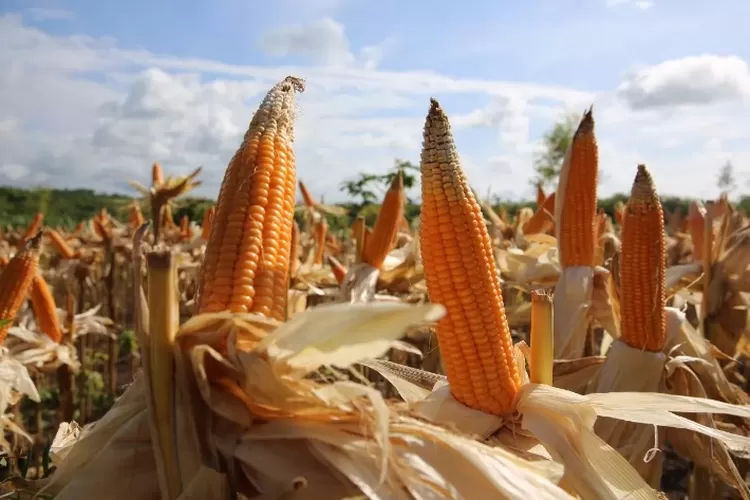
column 386, row 226
column 60, row 244
column 16, row 279
column 157, row 176
column 339, row 271
column 543, row 218
column 45, row 311
column 320, row 232
column 208, row 218
column 246, row 268
column 460, row 271
column 306, row 196
column 366, row 240
column 697, row 225
column 540, row 196
column 185, row 227
column 642, row 263
column 136, row 216
column 34, row 227
column 576, row 239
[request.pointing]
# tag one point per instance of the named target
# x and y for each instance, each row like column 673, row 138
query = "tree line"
column 66, row 207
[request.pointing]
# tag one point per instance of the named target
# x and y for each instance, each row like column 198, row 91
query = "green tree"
column 725, row 180
column 370, row 188
column 555, row 144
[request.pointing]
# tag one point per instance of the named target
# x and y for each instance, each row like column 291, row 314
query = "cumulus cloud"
column 80, row 111
column 323, row 41
column 699, row 80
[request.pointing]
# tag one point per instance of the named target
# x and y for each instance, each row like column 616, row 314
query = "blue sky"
column 99, row 90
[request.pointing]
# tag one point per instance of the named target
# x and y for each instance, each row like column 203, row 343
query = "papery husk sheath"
column 163, row 325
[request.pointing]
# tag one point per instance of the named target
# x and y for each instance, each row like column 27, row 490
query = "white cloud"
column 698, row 80
column 323, row 41
column 639, row 4
column 62, row 128
column 48, row 14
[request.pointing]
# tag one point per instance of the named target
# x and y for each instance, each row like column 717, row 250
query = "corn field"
column 558, row 353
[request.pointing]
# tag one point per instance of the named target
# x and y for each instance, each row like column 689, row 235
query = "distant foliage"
column 555, row 144
column 66, row 208
column 726, row 181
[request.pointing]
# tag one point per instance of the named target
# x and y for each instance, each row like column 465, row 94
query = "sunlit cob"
column 208, row 218
column 45, row 310
column 459, row 267
column 33, row 227
column 246, row 267
column 157, row 176
column 320, row 230
column 16, row 279
column 642, row 267
column 339, row 271
column 696, row 224
column 60, row 244
column 576, row 198
column 306, row 196
column 386, row 226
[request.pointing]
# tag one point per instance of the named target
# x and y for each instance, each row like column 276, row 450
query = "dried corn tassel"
column 460, row 271
column 386, row 226
column 246, row 268
column 16, row 279
column 45, row 310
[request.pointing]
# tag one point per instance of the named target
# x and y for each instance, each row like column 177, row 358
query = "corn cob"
column 208, row 218
column 34, row 227
column 460, row 271
column 306, row 196
column 642, row 267
column 577, row 193
column 386, row 226
column 136, row 216
column 60, row 244
column 540, row 196
column 45, row 310
column 157, row 176
column 16, row 279
column 185, row 227
column 246, row 268
column 542, row 218
column 339, row 271
column 320, row 232
column 697, row 225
